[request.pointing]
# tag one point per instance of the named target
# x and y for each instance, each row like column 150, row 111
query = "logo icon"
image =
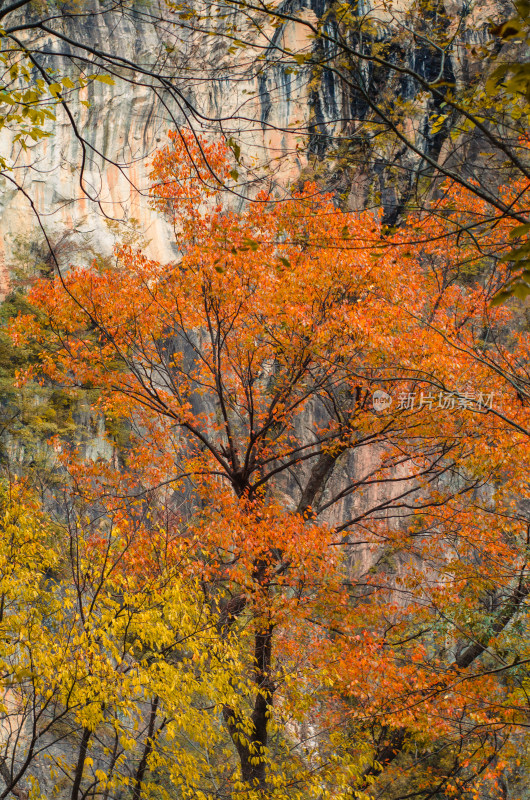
column 381, row 400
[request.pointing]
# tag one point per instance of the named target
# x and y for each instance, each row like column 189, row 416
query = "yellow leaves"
column 54, row 89
column 437, row 123
column 102, row 79
column 98, row 657
column 302, row 58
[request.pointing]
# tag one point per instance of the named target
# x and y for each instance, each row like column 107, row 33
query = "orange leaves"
column 253, row 457
column 293, row 555
column 187, row 173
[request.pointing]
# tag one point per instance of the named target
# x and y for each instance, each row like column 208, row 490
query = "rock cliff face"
column 117, row 130
column 285, row 113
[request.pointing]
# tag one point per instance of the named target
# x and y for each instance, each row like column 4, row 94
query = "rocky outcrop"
column 286, row 113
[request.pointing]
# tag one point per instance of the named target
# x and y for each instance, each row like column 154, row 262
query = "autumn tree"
column 366, row 551
column 103, row 629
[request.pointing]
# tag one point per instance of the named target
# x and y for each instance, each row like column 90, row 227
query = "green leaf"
column 501, row 297
column 519, row 231
column 521, row 289
column 507, row 30
column 233, row 145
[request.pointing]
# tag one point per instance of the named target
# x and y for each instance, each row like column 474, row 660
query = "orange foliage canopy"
column 375, row 554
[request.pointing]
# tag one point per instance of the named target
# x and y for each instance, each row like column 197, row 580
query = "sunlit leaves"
column 86, row 643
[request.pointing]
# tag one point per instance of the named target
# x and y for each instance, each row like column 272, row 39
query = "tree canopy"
column 292, row 560
column 304, row 572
